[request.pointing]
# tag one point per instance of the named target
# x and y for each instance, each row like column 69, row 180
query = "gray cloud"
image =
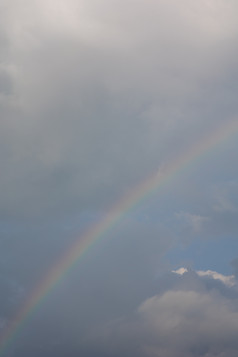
column 95, row 96
column 100, row 98
column 189, row 322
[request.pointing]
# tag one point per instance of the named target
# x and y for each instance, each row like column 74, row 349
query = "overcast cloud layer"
column 96, row 96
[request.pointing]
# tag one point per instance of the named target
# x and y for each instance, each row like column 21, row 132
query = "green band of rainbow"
column 120, row 209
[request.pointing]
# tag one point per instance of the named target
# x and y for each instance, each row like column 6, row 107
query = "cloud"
column 180, row 271
column 95, row 97
column 99, row 98
column 229, row 280
column 175, row 313
column 180, row 321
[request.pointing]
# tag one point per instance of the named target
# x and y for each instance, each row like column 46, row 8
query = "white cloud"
column 180, row 271
column 193, row 321
column 228, row 280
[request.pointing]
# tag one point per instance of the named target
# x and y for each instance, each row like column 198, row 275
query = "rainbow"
column 114, row 215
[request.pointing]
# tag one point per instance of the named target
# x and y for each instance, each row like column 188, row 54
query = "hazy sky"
column 95, row 97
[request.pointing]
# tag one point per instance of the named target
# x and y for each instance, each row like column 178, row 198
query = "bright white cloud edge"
column 228, row 280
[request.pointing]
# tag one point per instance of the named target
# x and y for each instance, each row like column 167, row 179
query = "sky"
column 98, row 98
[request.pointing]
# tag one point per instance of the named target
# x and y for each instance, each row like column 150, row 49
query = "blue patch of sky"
column 213, row 254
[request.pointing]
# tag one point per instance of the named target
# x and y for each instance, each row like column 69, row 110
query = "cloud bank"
column 183, row 321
